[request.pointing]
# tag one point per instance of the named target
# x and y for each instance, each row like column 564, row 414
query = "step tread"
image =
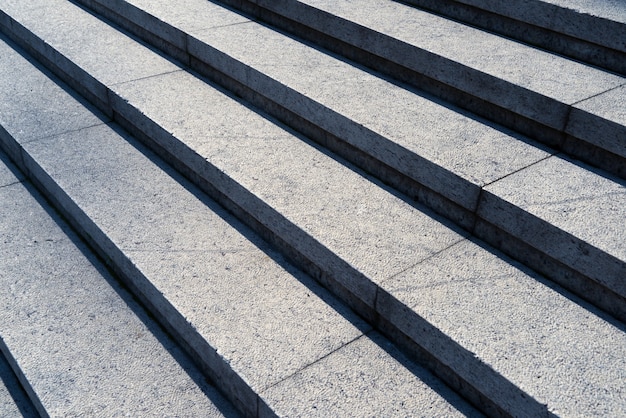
column 75, row 335
column 565, row 199
column 13, row 400
column 265, row 320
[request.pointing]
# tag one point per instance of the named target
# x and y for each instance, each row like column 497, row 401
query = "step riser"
column 567, row 44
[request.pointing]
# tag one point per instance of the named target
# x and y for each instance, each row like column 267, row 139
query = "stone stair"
column 382, row 211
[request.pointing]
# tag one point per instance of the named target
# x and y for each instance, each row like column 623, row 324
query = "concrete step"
column 523, row 198
column 591, row 31
column 565, row 104
column 274, row 341
column 77, row 341
column 473, row 316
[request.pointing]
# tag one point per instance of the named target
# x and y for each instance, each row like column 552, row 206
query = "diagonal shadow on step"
column 9, row 379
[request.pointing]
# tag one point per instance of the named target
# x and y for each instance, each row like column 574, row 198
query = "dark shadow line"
column 15, row 388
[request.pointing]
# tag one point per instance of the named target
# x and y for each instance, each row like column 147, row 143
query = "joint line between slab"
column 595, row 95
column 180, row 65
column 422, row 261
column 207, row 30
column 43, row 138
column 12, row 184
column 554, row 154
column 314, row 362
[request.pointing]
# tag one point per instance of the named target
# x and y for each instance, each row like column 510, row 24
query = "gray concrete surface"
column 562, row 351
column 382, row 119
column 161, row 227
column 394, row 125
column 13, row 400
column 265, row 321
column 457, row 153
column 516, row 77
column 78, row 167
column 589, row 31
column 323, row 200
column 549, row 75
column 601, row 120
column 79, row 340
column 56, row 22
column 568, row 212
column 601, row 21
column 182, row 253
column 32, row 102
column 333, row 382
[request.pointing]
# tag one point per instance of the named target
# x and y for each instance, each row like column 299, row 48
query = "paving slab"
column 40, row 106
column 576, row 216
column 601, row 120
column 79, row 340
column 55, row 25
column 365, row 365
column 560, row 350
